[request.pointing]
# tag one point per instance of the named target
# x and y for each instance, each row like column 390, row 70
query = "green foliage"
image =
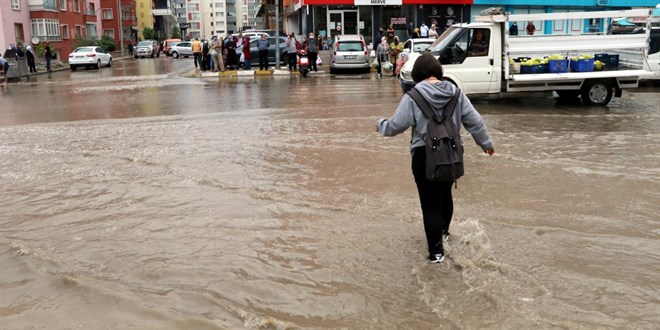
column 80, row 42
column 149, row 33
column 176, row 32
column 40, row 49
column 108, row 43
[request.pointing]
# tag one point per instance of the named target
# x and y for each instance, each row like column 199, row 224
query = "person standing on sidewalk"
column 312, row 48
column 216, row 54
column 4, row 66
column 434, row 196
column 247, row 56
column 130, row 49
column 30, row 59
column 292, row 51
column 197, row 52
column 48, row 55
column 262, row 46
column 382, row 53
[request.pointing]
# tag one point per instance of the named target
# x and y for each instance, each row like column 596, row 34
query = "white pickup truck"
column 491, row 71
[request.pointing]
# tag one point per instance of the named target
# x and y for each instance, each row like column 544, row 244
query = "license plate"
column 350, row 57
column 79, row 57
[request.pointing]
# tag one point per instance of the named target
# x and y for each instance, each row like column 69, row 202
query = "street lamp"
column 121, row 28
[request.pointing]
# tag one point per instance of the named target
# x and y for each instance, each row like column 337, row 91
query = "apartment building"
column 114, row 11
column 14, row 23
column 145, row 18
column 164, row 18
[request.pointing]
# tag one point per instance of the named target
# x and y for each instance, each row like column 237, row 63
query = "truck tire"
column 597, row 92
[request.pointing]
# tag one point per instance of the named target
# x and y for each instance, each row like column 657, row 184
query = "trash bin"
column 17, row 65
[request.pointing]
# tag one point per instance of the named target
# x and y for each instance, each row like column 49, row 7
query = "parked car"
column 168, row 43
column 147, row 48
column 259, row 32
column 349, row 51
column 90, row 56
column 254, row 52
column 183, row 48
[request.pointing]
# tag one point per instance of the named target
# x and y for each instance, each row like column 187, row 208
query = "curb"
column 248, row 73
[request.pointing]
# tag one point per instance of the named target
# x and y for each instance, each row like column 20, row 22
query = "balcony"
column 163, row 12
column 128, row 20
column 47, row 5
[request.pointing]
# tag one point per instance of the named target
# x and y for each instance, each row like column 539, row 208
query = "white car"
column 90, row 56
column 416, row 46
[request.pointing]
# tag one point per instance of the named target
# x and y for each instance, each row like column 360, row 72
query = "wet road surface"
column 161, row 201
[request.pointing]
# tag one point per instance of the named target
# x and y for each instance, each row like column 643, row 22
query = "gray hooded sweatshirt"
column 438, row 94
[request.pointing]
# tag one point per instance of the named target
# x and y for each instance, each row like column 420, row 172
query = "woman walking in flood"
column 434, row 196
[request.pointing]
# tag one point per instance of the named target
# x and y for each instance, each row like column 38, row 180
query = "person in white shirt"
column 424, row 30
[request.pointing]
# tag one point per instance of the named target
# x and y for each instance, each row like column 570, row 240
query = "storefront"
column 332, row 17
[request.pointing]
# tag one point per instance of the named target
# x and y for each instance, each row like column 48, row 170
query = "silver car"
column 349, row 52
column 181, row 48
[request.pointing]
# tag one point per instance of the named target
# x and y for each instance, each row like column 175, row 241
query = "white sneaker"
column 437, row 258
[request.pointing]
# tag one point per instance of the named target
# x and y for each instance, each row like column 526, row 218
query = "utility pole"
column 277, row 34
column 121, row 28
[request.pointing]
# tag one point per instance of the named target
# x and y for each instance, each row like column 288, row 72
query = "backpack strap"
column 424, row 105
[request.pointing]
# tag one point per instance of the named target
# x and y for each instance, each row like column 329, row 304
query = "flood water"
column 166, row 202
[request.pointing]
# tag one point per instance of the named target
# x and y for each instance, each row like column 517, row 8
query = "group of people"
column 27, row 52
column 311, row 46
column 219, row 53
column 530, row 29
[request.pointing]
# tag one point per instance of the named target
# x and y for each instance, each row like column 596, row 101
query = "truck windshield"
column 446, row 38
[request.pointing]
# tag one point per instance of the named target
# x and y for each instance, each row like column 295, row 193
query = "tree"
column 176, row 32
column 149, row 33
column 108, row 43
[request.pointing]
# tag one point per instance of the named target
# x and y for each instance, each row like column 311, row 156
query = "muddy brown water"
column 161, row 201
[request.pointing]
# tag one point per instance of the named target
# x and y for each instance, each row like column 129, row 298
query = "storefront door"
column 342, row 22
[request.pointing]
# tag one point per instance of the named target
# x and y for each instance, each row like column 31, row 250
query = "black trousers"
column 293, row 61
column 312, row 61
column 263, row 60
column 436, row 201
column 198, row 59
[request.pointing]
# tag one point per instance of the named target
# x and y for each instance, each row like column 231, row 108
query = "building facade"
column 62, row 21
column 114, row 11
column 145, row 18
column 14, row 23
column 164, row 18
column 366, row 17
column 560, row 6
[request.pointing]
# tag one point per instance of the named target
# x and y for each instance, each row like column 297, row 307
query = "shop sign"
column 378, row 2
column 398, row 21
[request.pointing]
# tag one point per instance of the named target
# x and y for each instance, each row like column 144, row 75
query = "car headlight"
column 406, row 75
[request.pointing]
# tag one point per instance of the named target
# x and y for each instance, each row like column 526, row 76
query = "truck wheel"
column 596, row 92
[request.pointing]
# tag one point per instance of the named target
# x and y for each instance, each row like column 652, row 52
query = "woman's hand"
column 490, row 151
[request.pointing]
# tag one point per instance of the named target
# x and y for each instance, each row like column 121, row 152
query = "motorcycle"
column 303, row 62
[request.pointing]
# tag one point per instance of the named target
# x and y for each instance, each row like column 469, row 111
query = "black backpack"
column 444, row 150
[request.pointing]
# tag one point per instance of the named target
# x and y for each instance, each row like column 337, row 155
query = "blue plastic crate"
column 610, row 60
column 582, row 65
column 557, row 66
column 532, row 69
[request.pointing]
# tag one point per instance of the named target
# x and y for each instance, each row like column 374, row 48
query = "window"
column 65, row 31
column 76, row 6
column 79, row 32
column 46, row 29
column 16, row 4
column 18, row 31
column 109, row 33
column 62, row 5
column 91, row 30
column 211, row 23
column 106, row 13
column 218, row 4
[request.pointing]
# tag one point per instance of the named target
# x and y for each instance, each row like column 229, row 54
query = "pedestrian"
column 262, row 47
column 206, row 58
column 424, row 30
column 513, row 30
column 416, row 33
column 396, row 48
column 531, row 28
column 411, row 29
column 378, row 37
column 197, row 52
column 130, row 49
column 216, row 54
column 247, row 55
column 382, row 53
column 433, row 32
column 30, row 59
column 435, row 197
column 312, row 49
column 48, row 56
column 292, row 51
column 232, row 58
column 4, row 65
column 390, row 34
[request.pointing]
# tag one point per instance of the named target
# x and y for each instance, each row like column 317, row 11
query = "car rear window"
column 84, row 50
column 145, row 43
column 350, row 46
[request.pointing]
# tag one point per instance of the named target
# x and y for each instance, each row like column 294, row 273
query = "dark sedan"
column 254, row 52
